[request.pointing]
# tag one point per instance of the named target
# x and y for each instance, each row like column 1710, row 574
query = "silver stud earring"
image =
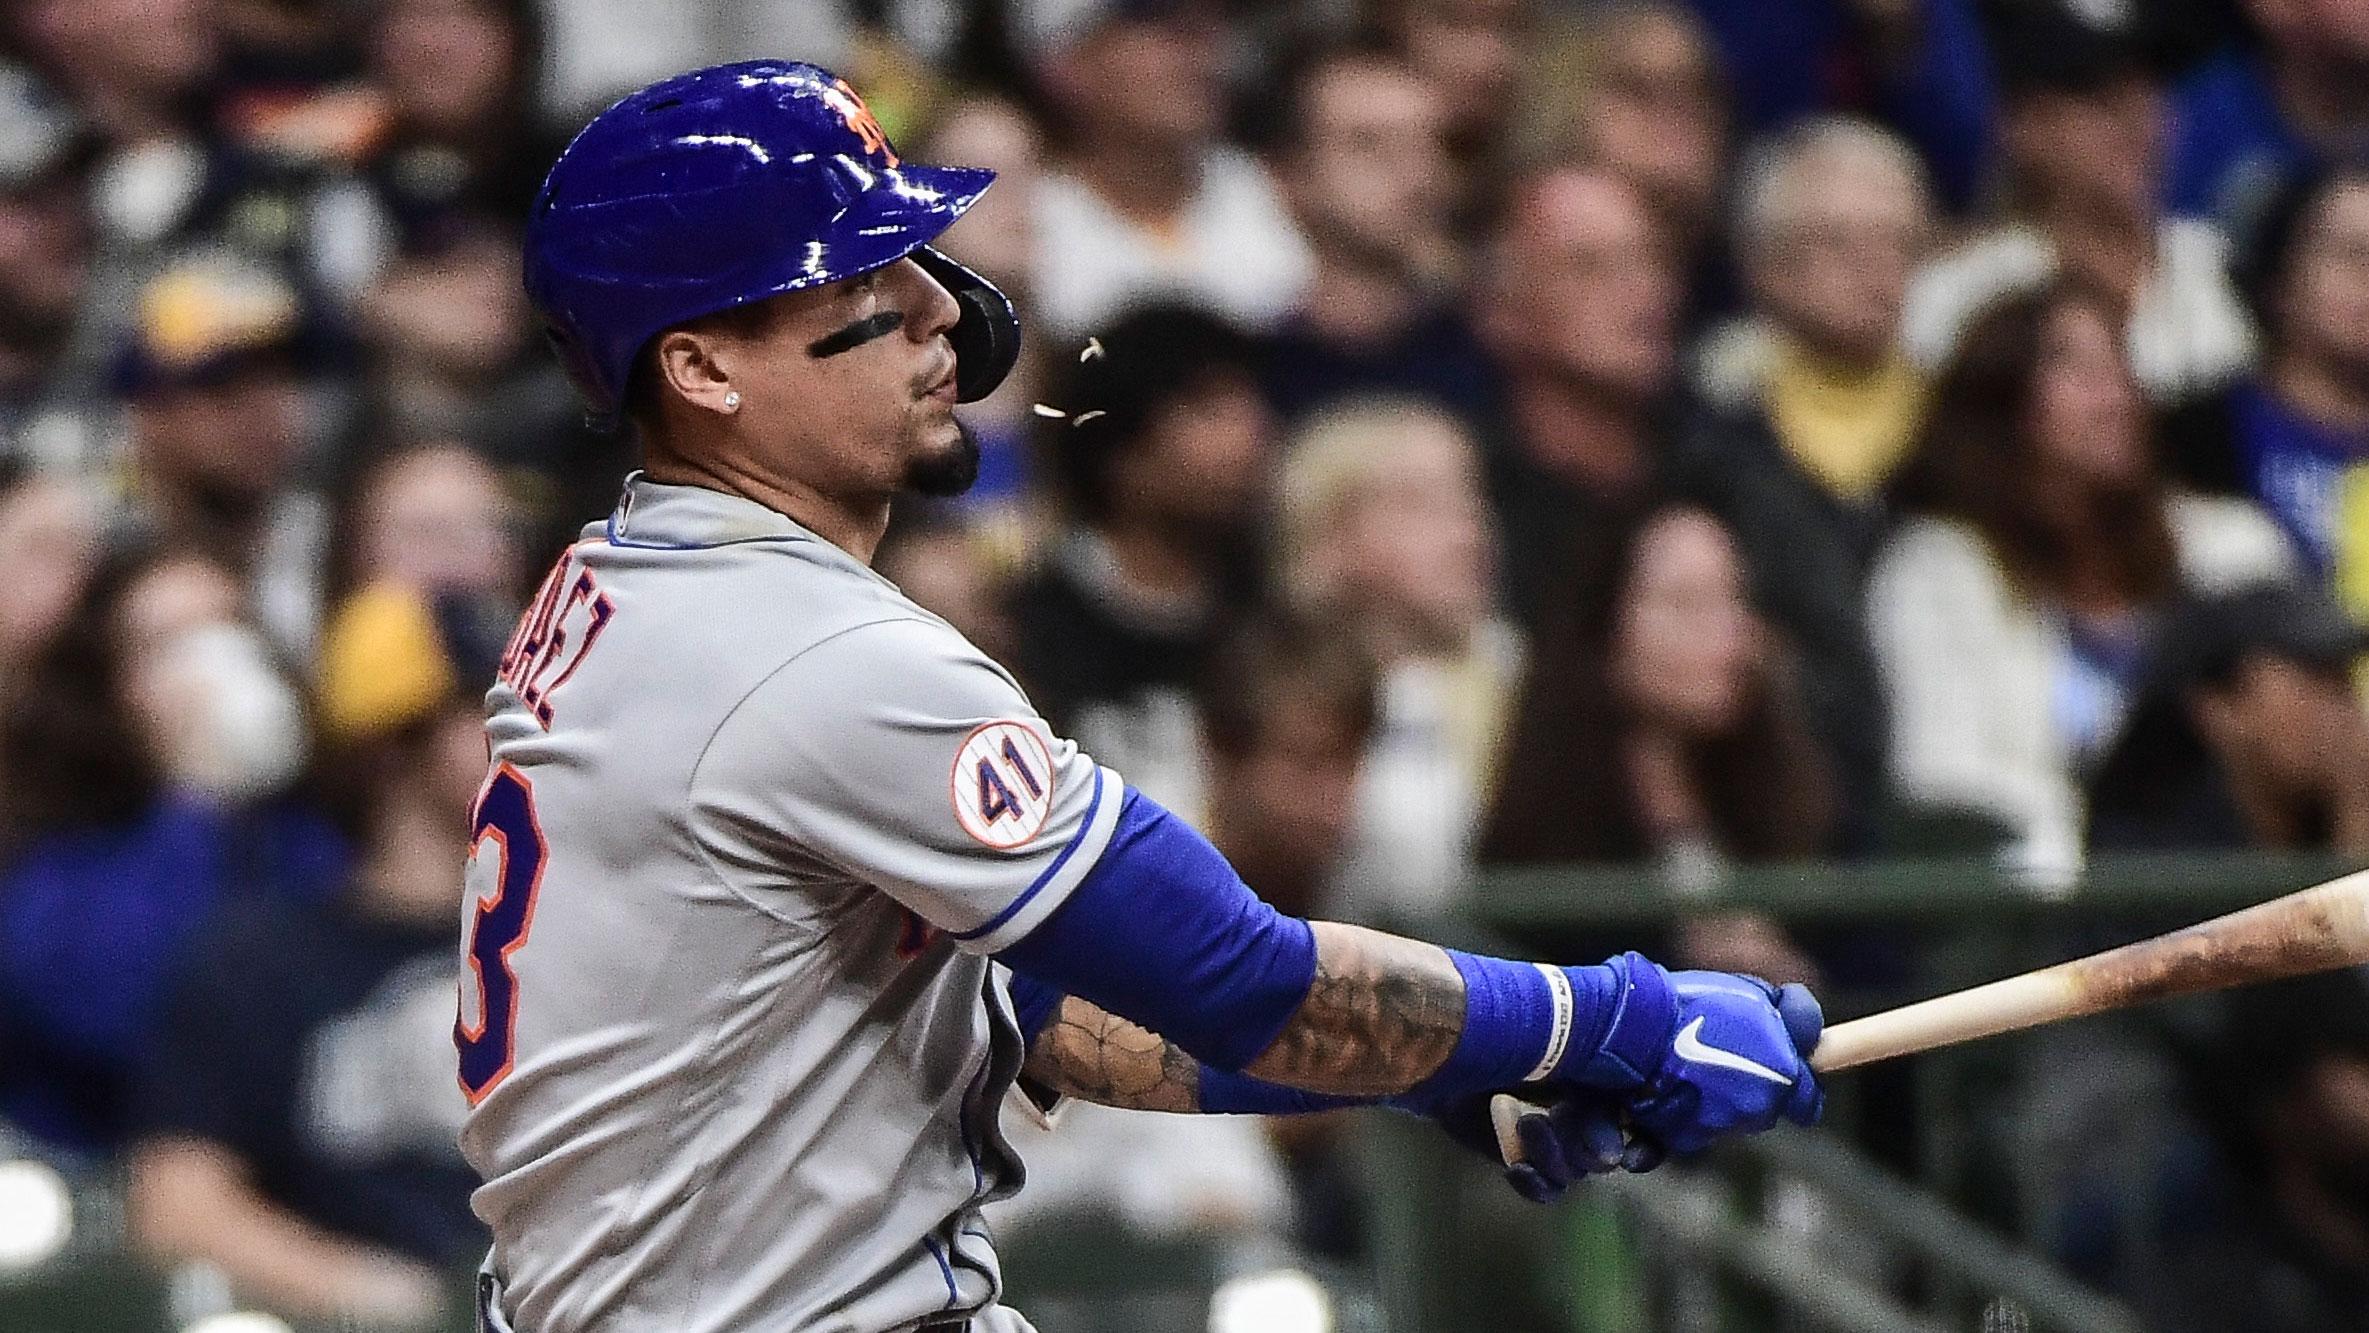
column 732, row 401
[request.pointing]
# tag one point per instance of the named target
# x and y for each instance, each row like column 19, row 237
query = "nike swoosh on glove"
column 1738, row 1064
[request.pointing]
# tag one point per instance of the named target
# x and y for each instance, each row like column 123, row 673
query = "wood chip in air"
column 1092, row 349
column 1047, row 410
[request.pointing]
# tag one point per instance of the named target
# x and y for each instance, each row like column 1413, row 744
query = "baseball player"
column 777, row 884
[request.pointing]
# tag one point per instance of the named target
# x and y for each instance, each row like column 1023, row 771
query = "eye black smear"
column 857, row 334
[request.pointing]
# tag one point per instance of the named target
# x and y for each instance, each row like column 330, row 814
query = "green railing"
column 1939, row 891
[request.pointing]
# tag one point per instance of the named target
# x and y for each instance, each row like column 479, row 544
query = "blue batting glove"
column 1738, row 1063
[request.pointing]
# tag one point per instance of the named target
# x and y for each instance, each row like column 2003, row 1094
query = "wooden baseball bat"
column 2315, row 930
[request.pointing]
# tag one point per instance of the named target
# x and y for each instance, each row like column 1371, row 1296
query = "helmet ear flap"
column 987, row 337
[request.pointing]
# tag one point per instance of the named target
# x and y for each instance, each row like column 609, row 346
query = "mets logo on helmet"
column 844, row 100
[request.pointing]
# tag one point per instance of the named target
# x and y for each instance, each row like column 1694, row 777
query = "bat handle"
column 1505, row 1116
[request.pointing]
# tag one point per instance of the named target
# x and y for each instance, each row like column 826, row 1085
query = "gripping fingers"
column 1556, row 1146
column 1805, row 1021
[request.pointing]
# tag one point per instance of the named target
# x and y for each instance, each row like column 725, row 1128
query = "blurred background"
column 1873, row 492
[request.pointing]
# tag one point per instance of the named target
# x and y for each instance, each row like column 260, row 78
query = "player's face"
column 850, row 390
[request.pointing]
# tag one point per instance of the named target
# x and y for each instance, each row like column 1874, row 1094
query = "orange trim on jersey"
column 603, row 610
column 526, row 926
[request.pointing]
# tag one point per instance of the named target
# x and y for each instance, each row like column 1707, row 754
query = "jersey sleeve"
column 900, row 755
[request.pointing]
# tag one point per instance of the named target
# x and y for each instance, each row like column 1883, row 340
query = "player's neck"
column 853, row 526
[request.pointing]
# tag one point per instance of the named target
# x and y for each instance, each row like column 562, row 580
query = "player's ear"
column 689, row 365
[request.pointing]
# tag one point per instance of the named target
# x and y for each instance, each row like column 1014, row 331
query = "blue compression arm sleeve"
column 1163, row 932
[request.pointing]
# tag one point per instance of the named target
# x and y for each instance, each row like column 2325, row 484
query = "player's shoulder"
column 901, row 650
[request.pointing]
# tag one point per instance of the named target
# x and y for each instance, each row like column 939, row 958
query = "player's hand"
column 1575, row 1136
column 1738, row 1063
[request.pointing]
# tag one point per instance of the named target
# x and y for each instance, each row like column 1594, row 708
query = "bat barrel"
column 2311, row 931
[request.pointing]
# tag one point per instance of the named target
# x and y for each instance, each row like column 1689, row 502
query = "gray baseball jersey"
column 733, row 1044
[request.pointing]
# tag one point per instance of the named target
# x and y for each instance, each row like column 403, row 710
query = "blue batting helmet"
column 729, row 185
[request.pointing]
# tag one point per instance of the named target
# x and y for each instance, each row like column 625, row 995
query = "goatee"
column 948, row 472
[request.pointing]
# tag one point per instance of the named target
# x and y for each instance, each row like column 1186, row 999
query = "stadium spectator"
column 2013, row 611
column 1363, row 163
column 1287, row 705
column 453, row 350
column 49, row 544
column 49, row 381
column 1803, row 407
column 1651, row 111
column 457, row 77
column 431, row 516
column 319, row 1170
column 1383, row 531
column 2083, row 165
column 1576, row 302
column 2271, row 1233
column 1658, row 719
column 219, row 428
column 1146, row 200
column 137, row 69
column 1162, row 448
column 997, row 235
column 2249, row 734
column 1659, row 722
column 2295, row 437
column 142, row 752
column 1920, row 66
column 1471, row 54
column 394, row 140
column 2263, row 111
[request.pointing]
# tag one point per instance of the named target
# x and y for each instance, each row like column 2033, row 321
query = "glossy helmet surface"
column 729, row 185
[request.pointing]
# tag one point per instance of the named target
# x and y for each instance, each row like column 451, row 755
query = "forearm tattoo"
column 1381, row 1016
column 1099, row 1057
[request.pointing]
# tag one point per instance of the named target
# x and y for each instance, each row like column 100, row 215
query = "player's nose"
column 934, row 312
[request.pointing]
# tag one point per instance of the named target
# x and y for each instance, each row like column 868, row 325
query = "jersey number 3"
column 504, row 827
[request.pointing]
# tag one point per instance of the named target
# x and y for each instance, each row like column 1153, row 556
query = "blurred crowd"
column 1679, row 433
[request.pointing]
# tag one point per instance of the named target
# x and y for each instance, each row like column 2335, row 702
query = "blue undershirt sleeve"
column 1163, row 933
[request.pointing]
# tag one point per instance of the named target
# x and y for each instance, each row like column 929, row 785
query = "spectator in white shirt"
column 1146, row 201
column 2083, row 141
column 1383, row 530
column 2016, row 608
